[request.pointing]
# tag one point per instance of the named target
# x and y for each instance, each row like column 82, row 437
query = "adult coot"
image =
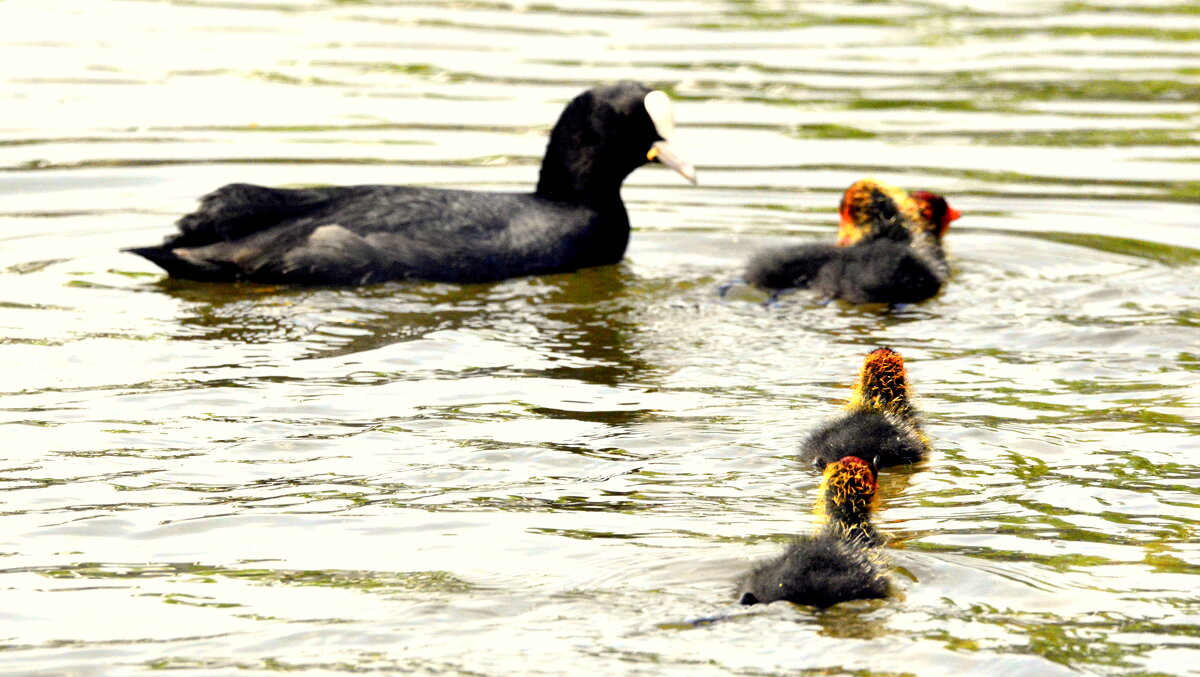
column 840, row 562
column 361, row 234
column 879, row 424
column 888, row 250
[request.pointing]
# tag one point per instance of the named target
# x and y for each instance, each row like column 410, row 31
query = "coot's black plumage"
column 879, row 424
column 842, row 561
column 362, row 234
column 885, row 252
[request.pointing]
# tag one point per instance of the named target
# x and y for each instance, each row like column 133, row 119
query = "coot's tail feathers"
column 185, row 268
column 239, row 209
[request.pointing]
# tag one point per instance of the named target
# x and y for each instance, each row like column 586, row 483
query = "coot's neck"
column 582, row 177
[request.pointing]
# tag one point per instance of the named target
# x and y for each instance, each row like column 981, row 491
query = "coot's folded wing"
column 240, row 209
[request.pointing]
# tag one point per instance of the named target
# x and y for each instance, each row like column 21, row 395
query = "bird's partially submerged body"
column 819, row 570
column 360, row 234
column 393, row 233
column 888, row 250
column 879, row 436
column 842, row 561
column 879, row 423
column 880, row 270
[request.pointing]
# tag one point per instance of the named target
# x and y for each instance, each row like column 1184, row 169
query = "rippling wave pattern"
column 567, row 474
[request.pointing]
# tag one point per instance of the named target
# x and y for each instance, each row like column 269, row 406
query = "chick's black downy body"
column 374, row 233
column 876, row 270
column 821, row 570
column 881, row 438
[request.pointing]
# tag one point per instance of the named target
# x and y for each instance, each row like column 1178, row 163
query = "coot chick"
column 842, row 561
column 879, row 424
column 348, row 235
column 885, row 252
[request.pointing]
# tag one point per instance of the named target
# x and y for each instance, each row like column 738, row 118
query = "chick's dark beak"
column 663, row 153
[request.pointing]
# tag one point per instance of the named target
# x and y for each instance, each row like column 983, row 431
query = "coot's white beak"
column 658, row 107
column 662, row 152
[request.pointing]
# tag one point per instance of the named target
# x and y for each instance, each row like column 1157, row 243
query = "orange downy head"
column 866, row 204
column 849, row 231
column 882, row 383
column 847, row 495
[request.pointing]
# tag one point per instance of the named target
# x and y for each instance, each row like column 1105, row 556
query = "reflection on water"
column 577, row 319
column 572, row 470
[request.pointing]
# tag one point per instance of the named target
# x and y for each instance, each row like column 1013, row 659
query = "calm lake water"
column 565, row 475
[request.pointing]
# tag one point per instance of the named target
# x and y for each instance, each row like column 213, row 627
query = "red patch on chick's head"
column 936, row 213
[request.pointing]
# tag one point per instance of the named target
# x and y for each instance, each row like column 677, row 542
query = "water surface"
column 567, row 473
